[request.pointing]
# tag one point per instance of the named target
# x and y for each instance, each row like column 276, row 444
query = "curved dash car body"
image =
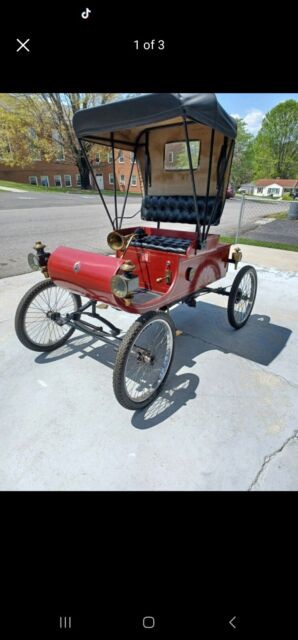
column 90, row 274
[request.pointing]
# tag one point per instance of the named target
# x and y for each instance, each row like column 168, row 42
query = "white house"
column 247, row 187
column 275, row 187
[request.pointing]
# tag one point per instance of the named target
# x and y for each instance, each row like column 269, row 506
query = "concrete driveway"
column 226, row 419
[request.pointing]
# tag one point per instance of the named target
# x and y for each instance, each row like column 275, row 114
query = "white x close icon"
column 23, row 45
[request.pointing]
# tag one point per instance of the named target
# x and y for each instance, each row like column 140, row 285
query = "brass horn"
column 119, row 242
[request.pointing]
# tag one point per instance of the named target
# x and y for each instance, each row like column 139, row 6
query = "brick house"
column 103, row 169
column 48, row 174
column 63, row 173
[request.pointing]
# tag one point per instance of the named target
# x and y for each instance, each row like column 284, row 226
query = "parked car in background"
column 230, row 191
column 295, row 194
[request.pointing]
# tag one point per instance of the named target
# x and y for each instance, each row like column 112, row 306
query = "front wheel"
column 144, row 359
column 242, row 297
column 35, row 323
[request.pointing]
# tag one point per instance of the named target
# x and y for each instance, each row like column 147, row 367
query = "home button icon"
column 148, row 622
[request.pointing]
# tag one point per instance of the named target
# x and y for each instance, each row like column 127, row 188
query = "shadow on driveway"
column 204, row 328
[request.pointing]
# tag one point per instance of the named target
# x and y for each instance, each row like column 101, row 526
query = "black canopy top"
column 147, row 109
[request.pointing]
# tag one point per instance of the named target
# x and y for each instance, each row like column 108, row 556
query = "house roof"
column 152, row 108
column 265, row 182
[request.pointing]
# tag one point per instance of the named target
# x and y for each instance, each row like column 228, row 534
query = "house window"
column 78, row 178
column 121, row 157
column 132, row 157
column 260, row 190
column 33, row 180
column 133, row 181
column 273, row 190
column 58, row 145
column 36, row 155
column 5, row 144
column 67, row 181
column 57, row 181
column 5, row 147
column 122, row 179
column 111, row 178
column 110, row 157
column 35, row 152
column 97, row 158
column 176, row 155
column 44, row 181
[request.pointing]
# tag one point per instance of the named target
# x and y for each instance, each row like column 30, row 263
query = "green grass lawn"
column 278, row 216
column 260, row 197
column 260, row 243
column 32, row 187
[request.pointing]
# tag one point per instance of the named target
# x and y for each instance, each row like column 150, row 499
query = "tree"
column 276, row 145
column 22, row 140
column 44, row 122
column 242, row 165
column 181, row 159
column 62, row 108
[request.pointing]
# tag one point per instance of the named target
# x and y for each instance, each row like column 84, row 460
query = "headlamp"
column 123, row 286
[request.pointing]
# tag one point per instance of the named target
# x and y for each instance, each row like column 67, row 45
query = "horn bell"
column 117, row 241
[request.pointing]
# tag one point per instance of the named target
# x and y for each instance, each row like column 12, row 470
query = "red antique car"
column 183, row 146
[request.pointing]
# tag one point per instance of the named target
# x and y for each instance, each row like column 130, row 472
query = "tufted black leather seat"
column 179, row 209
column 162, row 243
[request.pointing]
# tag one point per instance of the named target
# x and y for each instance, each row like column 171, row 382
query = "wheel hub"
column 238, row 296
column 53, row 315
column 147, row 358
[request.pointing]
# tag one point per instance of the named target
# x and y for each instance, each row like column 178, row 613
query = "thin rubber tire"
column 23, row 308
column 238, row 295
column 127, row 355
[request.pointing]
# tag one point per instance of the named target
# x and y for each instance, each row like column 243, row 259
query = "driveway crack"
column 276, row 375
column 268, row 459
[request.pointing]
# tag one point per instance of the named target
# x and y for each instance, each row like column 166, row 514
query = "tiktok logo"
column 85, row 13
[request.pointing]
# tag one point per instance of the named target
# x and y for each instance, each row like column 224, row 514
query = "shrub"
column 287, row 196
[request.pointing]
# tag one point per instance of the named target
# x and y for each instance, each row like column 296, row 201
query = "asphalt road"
column 79, row 221
column 285, row 231
column 36, row 199
column 70, row 219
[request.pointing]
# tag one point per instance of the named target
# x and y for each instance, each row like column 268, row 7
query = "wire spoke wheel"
column 144, row 360
column 242, row 297
column 37, row 315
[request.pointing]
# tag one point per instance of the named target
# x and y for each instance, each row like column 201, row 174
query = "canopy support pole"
column 208, row 184
column 95, row 181
column 198, row 244
column 147, row 163
column 114, row 174
column 128, row 185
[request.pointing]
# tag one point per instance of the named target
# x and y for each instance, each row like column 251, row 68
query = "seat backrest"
column 180, row 209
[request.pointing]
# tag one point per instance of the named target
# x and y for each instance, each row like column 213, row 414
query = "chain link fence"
column 254, row 212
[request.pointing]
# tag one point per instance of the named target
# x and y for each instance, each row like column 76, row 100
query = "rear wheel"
column 242, row 297
column 35, row 323
column 144, row 360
